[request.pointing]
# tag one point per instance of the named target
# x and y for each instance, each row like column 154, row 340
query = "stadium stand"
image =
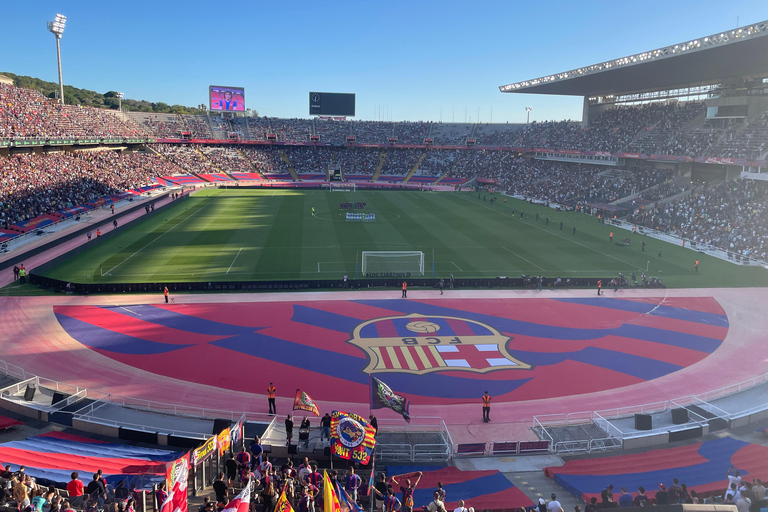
column 701, row 466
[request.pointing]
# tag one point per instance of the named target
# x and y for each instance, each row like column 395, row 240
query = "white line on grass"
column 156, row 239
column 525, row 259
column 233, row 261
column 554, row 234
column 455, row 265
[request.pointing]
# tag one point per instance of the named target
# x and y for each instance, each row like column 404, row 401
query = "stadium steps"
column 285, row 158
column 415, row 167
column 380, row 166
column 445, row 175
column 250, row 164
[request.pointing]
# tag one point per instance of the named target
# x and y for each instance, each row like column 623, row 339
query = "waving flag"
column 346, row 503
column 283, row 505
column 352, row 438
column 302, row 402
column 241, row 502
column 330, row 500
column 383, row 396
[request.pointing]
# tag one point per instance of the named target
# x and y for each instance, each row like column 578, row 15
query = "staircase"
column 415, row 167
column 380, row 166
column 445, row 174
column 253, row 167
column 284, row 158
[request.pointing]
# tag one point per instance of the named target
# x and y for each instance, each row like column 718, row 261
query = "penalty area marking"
column 233, row 261
column 455, row 265
column 524, row 259
column 158, row 238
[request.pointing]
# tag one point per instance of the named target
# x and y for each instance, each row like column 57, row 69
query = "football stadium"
column 245, row 313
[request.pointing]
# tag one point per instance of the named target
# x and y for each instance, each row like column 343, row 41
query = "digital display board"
column 331, row 104
column 226, row 99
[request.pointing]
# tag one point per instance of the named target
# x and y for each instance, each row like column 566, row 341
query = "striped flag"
column 241, row 502
column 330, row 500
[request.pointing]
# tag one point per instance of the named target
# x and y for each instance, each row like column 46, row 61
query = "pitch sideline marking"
column 455, row 265
column 159, row 237
column 233, row 261
column 524, row 259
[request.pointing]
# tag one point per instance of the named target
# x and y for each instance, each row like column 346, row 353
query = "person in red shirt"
column 76, row 488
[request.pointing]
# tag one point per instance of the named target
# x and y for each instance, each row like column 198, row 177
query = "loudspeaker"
column 291, row 449
column 643, row 422
column 58, row 397
column 679, row 416
column 220, row 424
column 29, row 393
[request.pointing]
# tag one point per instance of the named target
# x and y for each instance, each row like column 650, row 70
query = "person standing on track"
column 442, row 283
column 451, row 281
column 599, row 287
column 165, row 294
column 405, row 290
column 271, row 399
column 696, row 265
column 486, row 407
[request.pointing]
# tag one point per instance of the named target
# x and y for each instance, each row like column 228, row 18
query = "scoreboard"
column 331, row 104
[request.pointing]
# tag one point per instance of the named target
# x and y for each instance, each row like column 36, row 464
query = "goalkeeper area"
column 271, row 234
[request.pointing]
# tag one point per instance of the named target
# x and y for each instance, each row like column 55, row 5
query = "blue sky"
column 404, row 60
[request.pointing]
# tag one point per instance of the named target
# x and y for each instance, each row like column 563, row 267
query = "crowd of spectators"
column 34, row 184
column 27, row 113
column 399, row 162
column 186, row 156
column 731, row 215
column 266, row 159
column 226, row 159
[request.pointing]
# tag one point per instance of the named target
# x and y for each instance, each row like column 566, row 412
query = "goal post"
column 392, row 263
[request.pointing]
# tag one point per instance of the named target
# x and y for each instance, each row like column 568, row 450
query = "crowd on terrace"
column 27, row 113
column 731, row 215
column 33, row 184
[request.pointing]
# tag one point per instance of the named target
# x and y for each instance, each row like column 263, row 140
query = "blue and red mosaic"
column 437, row 352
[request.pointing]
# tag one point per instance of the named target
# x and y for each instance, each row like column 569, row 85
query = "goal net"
column 393, row 263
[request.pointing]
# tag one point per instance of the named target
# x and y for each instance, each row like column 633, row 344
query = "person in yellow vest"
column 696, row 266
column 599, row 287
column 486, row 407
column 271, row 399
column 405, row 290
column 22, row 275
column 165, row 293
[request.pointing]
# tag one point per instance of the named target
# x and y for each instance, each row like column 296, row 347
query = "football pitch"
column 251, row 234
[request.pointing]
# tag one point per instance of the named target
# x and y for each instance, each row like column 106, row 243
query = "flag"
column 330, row 500
column 352, row 438
column 176, row 475
column 302, row 402
column 241, row 502
column 383, row 396
column 283, row 505
column 346, row 504
column 371, row 483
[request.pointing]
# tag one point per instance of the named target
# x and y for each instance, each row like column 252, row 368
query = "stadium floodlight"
column 56, row 27
column 528, row 114
column 120, row 97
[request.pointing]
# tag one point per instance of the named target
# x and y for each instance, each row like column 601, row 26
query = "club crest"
column 421, row 344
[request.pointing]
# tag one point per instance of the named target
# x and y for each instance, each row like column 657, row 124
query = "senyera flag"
column 330, row 500
column 241, row 502
column 346, row 503
column 383, row 396
column 302, row 402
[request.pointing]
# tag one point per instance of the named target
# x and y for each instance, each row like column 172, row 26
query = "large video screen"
column 331, row 104
column 227, row 99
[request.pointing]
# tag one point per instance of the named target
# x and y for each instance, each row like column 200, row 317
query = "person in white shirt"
column 462, row 508
column 733, row 477
column 554, row 505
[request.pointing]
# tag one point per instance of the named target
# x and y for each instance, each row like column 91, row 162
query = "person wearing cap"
column 662, row 496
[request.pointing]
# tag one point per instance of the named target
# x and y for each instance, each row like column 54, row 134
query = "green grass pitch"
column 248, row 234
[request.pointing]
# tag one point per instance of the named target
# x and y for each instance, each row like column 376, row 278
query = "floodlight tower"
column 56, row 27
column 528, row 115
column 120, row 97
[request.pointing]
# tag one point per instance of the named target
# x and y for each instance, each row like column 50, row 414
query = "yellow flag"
column 330, row 500
column 283, row 505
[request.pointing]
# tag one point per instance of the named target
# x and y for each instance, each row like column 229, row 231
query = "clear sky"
column 405, row 60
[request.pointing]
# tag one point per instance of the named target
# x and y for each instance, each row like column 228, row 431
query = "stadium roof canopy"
column 714, row 59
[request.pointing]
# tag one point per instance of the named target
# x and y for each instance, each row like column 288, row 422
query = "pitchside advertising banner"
column 176, row 474
column 352, row 438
